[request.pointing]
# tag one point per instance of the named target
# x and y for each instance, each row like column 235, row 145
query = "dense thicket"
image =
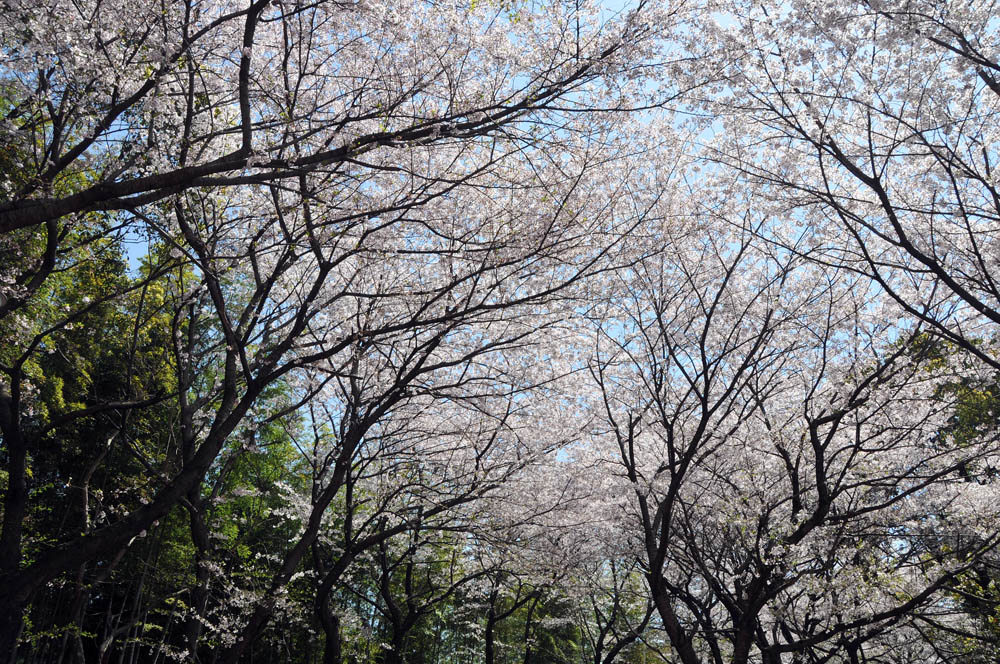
column 499, row 332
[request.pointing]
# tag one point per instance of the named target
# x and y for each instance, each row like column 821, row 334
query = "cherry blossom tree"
column 869, row 130
column 778, row 438
column 871, row 126
column 334, row 187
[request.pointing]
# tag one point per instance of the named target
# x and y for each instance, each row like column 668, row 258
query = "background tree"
column 782, row 470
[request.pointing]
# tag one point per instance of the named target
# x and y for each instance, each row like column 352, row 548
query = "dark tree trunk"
column 489, row 651
column 193, row 627
column 331, row 631
column 15, row 502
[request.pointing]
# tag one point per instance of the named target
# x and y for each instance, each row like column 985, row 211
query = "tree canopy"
column 499, row 331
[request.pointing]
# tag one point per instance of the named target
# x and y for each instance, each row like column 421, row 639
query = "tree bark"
column 15, row 503
column 194, row 627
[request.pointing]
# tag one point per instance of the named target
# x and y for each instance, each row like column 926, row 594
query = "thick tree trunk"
column 489, row 652
column 328, row 620
column 331, row 632
column 15, row 502
column 394, row 655
column 671, row 625
column 742, row 645
column 194, row 627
